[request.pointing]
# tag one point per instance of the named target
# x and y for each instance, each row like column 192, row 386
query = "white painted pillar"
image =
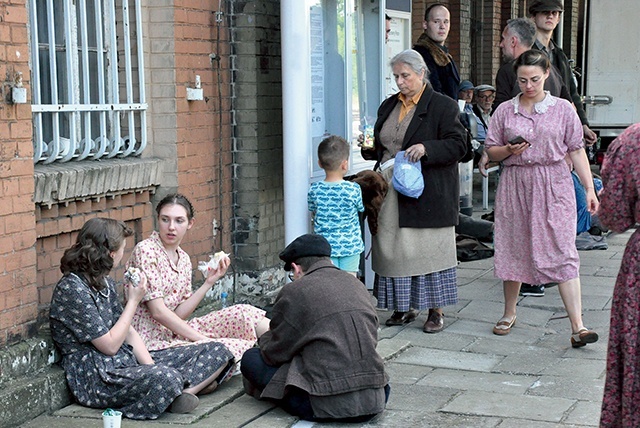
column 296, row 115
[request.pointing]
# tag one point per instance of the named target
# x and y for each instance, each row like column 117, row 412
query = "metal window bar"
column 80, row 109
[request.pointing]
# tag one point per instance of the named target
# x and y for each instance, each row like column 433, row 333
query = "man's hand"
column 590, row 137
column 482, row 164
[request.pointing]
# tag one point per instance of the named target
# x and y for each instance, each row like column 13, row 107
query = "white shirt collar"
column 540, row 107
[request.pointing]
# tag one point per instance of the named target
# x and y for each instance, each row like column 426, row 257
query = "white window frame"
column 73, row 104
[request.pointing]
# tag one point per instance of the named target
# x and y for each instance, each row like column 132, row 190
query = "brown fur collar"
column 441, row 57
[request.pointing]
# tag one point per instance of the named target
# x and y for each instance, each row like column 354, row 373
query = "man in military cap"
column 319, row 361
column 546, row 15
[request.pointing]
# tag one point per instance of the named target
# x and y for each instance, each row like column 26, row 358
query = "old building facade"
column 224, row 151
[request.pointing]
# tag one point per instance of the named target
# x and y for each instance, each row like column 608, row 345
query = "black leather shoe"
column 401, row 318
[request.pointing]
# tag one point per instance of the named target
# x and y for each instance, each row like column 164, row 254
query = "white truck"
column 611, row 67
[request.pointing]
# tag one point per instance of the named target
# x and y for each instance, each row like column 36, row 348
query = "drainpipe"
column 296, row 115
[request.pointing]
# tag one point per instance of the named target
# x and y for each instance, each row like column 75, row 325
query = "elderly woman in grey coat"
column 414, row 251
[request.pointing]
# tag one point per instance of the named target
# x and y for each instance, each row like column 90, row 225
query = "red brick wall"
column 18, row 292
column 57, row 228
column 204, row 127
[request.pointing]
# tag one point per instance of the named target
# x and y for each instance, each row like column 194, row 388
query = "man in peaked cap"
column 308, row 362
column 546, row 15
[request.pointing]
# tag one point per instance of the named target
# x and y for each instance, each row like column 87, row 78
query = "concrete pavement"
column 464, row 376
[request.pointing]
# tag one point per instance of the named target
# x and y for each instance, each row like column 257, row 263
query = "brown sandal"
column 582, row 337
column 503, row 326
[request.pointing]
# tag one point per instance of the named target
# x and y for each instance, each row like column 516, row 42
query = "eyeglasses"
column 291, row 276
column 487, row 97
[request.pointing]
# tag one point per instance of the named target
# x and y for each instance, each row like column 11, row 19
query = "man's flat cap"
column 305, row 246
column 482, row 88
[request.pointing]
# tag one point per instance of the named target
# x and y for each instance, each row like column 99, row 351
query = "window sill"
column 62, row 182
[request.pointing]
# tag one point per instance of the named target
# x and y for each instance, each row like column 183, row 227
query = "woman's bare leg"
column 262, row 326
column 572, row 299
column 511, row 289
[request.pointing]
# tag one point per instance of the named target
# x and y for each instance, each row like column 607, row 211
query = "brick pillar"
column 485, row 38
column 259, row 202
column 18, row 291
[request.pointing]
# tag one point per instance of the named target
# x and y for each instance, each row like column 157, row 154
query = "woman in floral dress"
column 619, row 211
column 535, row 216
column 162, row 318
column 105, row 362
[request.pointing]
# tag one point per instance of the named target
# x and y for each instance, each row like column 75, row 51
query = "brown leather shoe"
column 435, row 322
column 401, row 318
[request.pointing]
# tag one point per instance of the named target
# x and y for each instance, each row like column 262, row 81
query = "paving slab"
column 416, row 397
column 389, row 348
column 585, row 413
column 588, row 369
column 274, row 418
column 577, row 388
column 484, row 329
column 492, row 311
column 405, row 374
column 496, row 344
column 478, row 381
column 449, row 359
column 241, row 411
column 443, row 340
column 525, row 407
column 526, row 364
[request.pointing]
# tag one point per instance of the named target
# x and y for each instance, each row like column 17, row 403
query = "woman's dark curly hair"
column 90, row 256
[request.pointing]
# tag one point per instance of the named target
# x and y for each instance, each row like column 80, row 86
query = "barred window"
column 88, row 98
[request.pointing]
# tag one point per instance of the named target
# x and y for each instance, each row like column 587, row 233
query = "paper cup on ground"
column 112, row 420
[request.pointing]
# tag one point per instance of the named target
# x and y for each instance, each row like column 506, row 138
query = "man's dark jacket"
column 435, row 125
column 507, row 84
column 323, row 336
column 443, row 78
column 561, row 62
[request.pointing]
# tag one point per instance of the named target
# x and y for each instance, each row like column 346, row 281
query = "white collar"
column 539, row 107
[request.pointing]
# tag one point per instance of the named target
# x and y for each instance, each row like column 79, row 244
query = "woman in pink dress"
column 535, row 216
column 162, row 317
column 619, row 211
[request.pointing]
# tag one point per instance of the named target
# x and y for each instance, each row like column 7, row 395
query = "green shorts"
column 347, row 263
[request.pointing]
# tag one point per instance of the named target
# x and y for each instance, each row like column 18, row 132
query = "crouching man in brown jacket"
column 319, row 359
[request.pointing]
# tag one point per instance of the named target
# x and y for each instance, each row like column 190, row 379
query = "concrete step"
column 27, row 357
column 28, row 396
column 30, row 383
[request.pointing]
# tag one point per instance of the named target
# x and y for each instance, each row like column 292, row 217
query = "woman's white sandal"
column 503, row 326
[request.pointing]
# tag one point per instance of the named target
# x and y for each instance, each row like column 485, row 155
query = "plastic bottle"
column 367, row 130
column 223, row 299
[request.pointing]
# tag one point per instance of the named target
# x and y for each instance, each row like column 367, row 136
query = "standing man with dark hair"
column 546, row 15
column 518, row 37
column 443, row 72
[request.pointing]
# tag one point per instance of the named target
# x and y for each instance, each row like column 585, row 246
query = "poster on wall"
column 399, row 40
column 317, row 73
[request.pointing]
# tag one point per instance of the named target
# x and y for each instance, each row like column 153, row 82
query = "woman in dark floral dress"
column 619, row 211
column 105, row 361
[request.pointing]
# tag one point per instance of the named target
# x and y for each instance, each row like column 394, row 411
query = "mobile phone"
column 517, row 140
